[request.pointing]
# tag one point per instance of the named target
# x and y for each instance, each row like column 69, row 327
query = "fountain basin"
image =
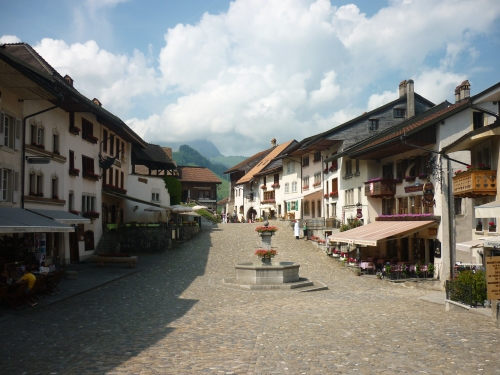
column 273, row 274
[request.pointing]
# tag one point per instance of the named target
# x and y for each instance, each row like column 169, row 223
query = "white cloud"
column 4, row 39
column 284, row 68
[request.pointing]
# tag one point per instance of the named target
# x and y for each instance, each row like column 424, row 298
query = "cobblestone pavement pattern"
column 177, row 317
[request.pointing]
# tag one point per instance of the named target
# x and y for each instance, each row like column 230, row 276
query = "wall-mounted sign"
column 413, row 189
column 428, row 190
column 493, row 277
column 359, row 214
column 433, row 231
column 143, row 180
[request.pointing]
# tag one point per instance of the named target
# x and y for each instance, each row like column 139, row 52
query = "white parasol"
column 177, row 208
column 196, row 208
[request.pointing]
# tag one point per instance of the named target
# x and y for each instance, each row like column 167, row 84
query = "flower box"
column 316, row 184
column 74, row 172
column 305, row 187
column 334, row 194
column 74, row 130
column 410, row 178
column 91, row 214
column 114, row 188
column 275, row 185
column 91, row 176
column 75, row 212
column 422, row 175
column 263, row 187
column 327, row 196
column 333, row 168
column 90, row 138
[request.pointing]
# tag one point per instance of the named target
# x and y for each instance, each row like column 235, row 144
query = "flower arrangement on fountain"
column 268, row 229
column 263, row 253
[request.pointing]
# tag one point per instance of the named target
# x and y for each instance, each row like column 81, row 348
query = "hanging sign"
column 428, row 195
column 359, row 215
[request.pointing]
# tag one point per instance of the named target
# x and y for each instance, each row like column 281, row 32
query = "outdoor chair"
column 370, row 268
column 29, row 297
column 51, row 287
column 15, row 296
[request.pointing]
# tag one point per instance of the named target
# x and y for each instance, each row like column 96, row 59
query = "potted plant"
column 492, row 227
column 357, row 272
column 265, row 255
column 479, row 226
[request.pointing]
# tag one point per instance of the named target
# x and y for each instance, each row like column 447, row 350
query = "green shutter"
column 296, row 205
column 288, row 206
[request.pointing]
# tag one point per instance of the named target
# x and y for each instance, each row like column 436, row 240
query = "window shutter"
column 1, row 182
column 15, row 195
column 287, row 205
column 296, row 205
column 2, row 125
column 17, row 140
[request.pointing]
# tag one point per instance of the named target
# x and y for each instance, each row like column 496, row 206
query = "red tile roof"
column 197, row 174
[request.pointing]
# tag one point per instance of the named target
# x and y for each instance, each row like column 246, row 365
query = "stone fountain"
column 269, row 272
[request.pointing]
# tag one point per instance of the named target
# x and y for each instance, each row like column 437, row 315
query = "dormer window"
column 399, row 112
column 373, row 124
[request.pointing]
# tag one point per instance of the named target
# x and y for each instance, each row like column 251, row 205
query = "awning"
column 371, row 233
column 267, row 207
column 492, row 242
column 125, row 196
column 469, row 245
column 17, row 220
column 62, row 217
column 488, row 210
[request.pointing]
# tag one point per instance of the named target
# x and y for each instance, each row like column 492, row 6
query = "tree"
column 174, row 188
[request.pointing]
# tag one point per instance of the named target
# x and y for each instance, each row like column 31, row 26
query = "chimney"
column 273, row 142
column 96, row 102
column 69, row 80
column 402, row 88
column 464, row 90
column 457, row 94
column 410, row 99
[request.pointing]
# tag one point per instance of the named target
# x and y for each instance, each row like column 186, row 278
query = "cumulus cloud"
column 282, row 69
column 9, row 39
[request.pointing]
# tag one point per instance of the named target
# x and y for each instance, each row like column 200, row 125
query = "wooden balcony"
column 474, row 184
column 380, row 188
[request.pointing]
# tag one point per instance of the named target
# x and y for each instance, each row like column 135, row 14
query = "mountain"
column 209, row 151
column 205, row 148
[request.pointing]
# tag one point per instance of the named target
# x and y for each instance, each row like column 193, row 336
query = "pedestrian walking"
column 223, row 218
column 296, row 229
column 304, row 228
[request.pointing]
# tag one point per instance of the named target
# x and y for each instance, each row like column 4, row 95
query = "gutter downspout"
column 23, row 139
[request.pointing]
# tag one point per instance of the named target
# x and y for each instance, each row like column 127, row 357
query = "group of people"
column 228, row 218
column 296, row 229
column 26, row 273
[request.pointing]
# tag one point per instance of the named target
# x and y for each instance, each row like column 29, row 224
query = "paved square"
column 176, row 316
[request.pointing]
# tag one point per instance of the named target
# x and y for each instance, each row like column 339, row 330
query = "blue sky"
column 243, row 72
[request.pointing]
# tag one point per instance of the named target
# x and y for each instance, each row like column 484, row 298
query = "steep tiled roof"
column 264, row 162
column 73, row 99
column 250, row 162
column 197, row 174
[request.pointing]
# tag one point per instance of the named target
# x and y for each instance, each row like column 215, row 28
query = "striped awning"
column 370, row 234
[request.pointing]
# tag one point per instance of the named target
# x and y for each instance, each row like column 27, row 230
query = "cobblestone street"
column 176, row 316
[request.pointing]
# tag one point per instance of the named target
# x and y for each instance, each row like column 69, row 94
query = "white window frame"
column 10, row 131
column 287, row 187
column 294, row 186
column 305, row 181
column 290, row 167
column 88, row 202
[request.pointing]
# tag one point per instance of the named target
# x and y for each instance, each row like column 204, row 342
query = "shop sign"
column 359, row 215
column 493, row 278
column 428, row 191
column 413, row 189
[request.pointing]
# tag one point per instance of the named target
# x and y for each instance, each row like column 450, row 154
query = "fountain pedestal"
column 267, row 272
